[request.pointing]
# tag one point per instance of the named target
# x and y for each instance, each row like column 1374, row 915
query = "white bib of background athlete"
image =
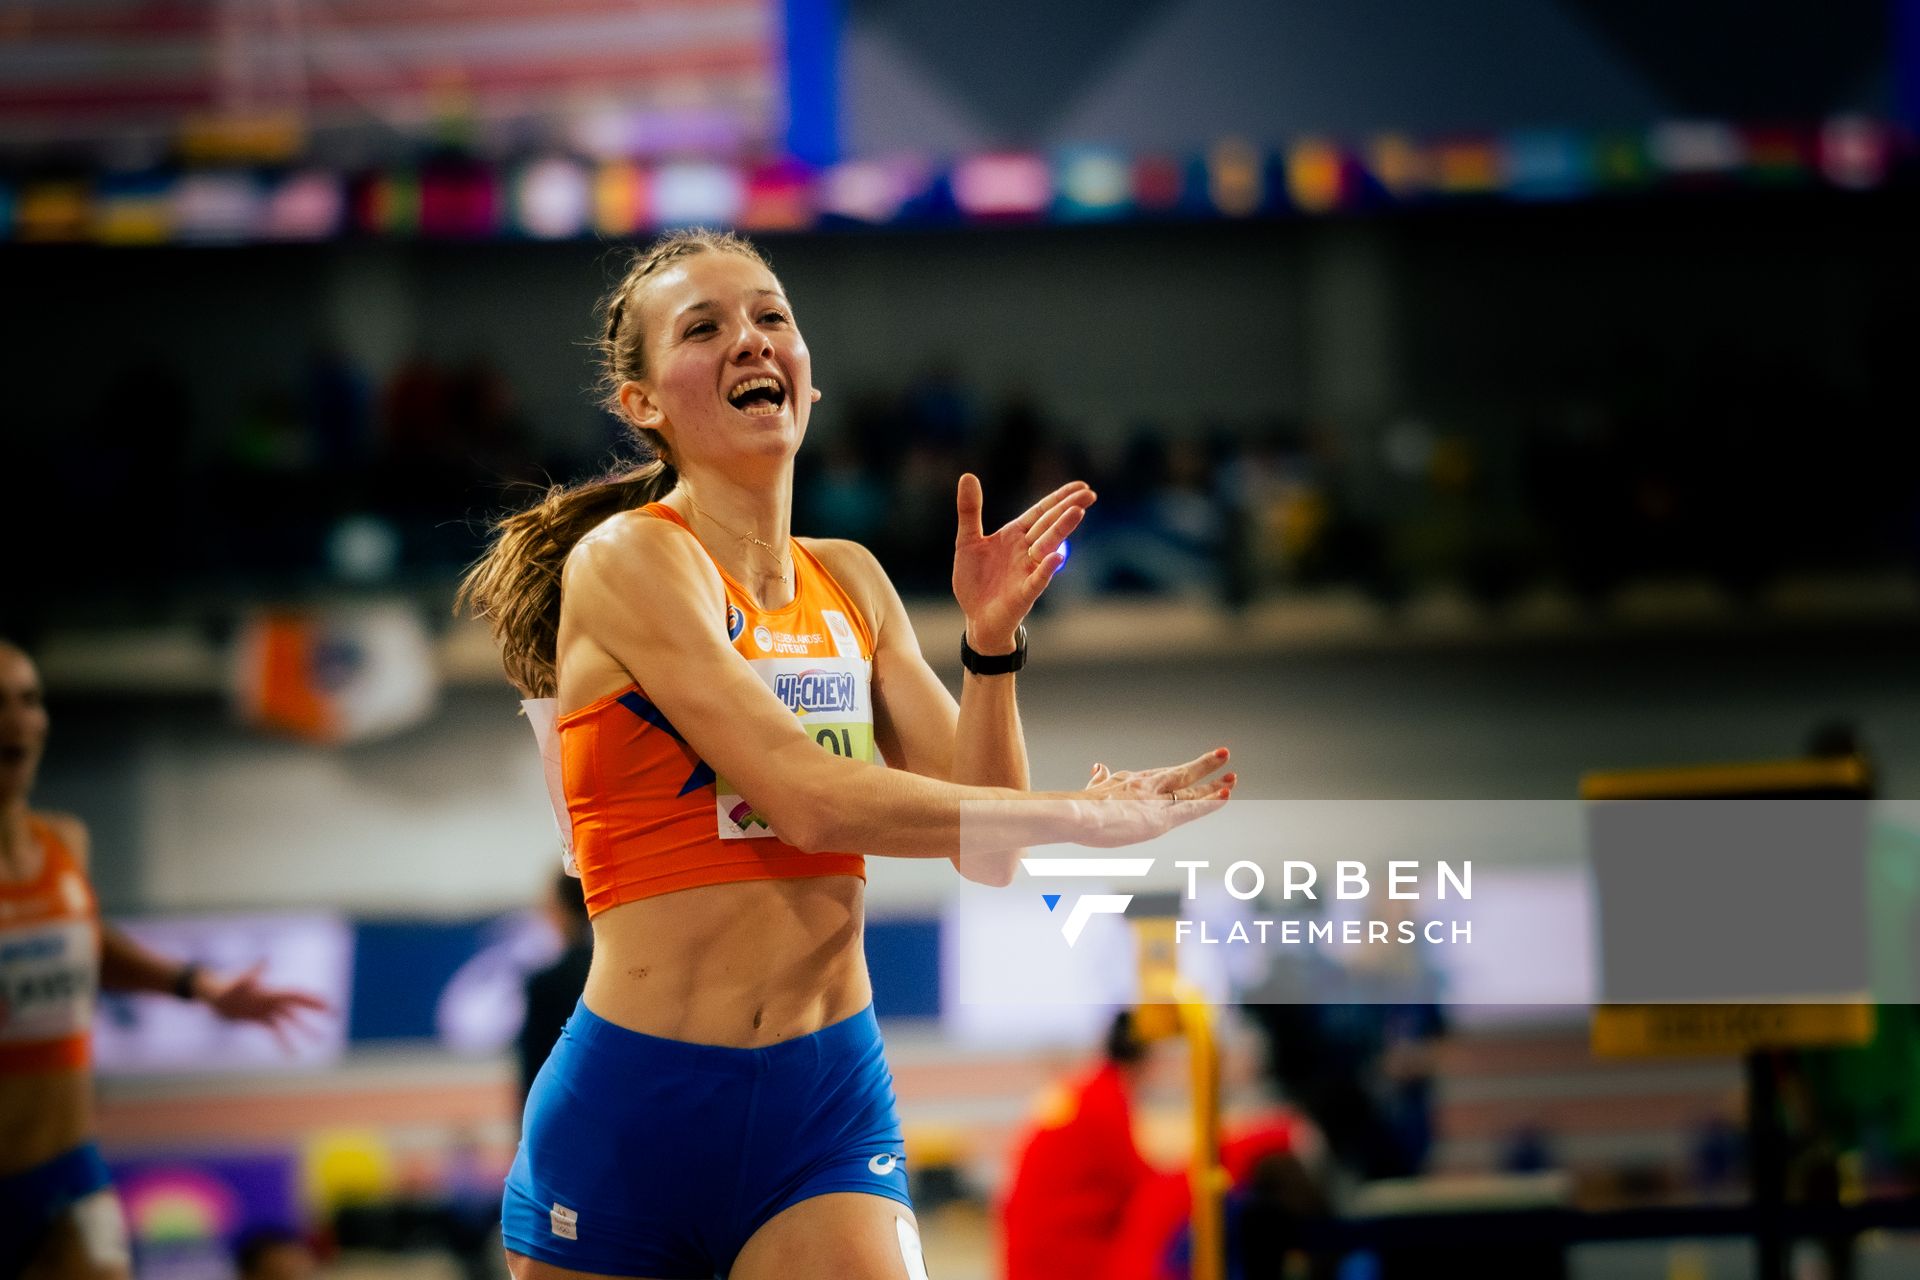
column 832, row 698
column 48, row 974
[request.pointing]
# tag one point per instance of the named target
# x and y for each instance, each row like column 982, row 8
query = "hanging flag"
column 692, row 194
column 1092, row 184
column 1236, row 178
column 1317, row 180
column 308, row 205
column 459, row 200
column 54, row 211
column 1855, row 153
column 133, row 209
column 1403, row 169
column 553, row 199
column 1547, row 164
column 1003, row 186
column 621, row 192
column 779, row 198
column 335, row 676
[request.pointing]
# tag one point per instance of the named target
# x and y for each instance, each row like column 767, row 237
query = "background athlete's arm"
column 126, row 964
column 643, row 592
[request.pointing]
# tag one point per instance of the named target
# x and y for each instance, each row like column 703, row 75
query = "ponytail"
column 515, row 586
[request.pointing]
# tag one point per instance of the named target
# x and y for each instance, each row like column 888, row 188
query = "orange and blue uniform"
column 649, row 816
column 49, row 975
column 643, row 1156
column 49, row 963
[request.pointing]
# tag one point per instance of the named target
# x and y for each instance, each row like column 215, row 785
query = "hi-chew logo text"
column 817, row 690
column 1088, row 905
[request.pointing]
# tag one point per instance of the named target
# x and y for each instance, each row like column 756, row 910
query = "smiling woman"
column 719, row 1102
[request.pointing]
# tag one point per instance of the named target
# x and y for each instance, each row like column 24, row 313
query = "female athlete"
column 719, row 1104
column 58, row 1214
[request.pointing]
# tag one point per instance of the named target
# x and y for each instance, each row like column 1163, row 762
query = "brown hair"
column 515, row 586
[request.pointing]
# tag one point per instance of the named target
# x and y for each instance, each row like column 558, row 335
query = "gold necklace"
column 779, row 560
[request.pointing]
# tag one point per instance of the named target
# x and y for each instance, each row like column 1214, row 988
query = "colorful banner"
column 568, row 196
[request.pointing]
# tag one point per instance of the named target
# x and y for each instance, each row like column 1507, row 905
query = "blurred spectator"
column 1076, row 1169
column 1083, row 1202
column 1158, row 528
column 338, row 409
column 1733, row 465
column 939, row 410
column 845, row 499
column 1352, row 1044
column 553, row 991
column 274, row 1253
column 1265, row 1167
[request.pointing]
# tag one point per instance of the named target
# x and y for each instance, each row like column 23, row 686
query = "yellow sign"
column 1659, row 1030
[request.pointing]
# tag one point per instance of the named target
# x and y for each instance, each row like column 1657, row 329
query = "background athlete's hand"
column 1139, row 804
column 247, row 999
column 997, row 577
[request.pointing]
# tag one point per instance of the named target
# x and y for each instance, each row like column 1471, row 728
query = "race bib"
column 832, row 697
column 48, row 976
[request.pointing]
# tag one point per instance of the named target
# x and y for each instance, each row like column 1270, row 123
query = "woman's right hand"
column 1132, row 805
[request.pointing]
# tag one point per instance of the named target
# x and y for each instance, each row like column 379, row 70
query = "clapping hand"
column 998, row 576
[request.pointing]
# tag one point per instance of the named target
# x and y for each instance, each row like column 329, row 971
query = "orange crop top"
column 649, row 816
column 49, row 963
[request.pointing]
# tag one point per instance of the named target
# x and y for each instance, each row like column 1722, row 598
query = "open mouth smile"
column 758, row 397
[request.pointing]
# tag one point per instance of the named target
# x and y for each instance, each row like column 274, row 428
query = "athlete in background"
column 59, row 1217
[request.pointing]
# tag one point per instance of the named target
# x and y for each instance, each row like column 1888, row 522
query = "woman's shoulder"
column 70, row 831
column 632, row 540
column 845, row 559
column 855, row 568
column 631, row 556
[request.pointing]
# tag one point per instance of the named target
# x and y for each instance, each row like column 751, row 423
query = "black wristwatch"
column 999, row 664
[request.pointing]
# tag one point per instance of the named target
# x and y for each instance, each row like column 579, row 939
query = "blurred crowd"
column 1734, row 470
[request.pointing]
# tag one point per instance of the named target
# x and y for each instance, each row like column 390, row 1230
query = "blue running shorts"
column 32, row 1200
column 641, row 1156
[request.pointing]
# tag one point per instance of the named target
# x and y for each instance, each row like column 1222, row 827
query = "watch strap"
column 998, row 664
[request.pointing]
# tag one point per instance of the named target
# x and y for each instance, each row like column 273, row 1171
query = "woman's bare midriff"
column 743, row 965
column 42, row 1115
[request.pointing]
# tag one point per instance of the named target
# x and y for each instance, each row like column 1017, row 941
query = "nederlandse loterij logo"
column 1087, row 906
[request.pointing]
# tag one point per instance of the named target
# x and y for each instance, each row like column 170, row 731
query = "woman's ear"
column 816, row 396
column 640, row 407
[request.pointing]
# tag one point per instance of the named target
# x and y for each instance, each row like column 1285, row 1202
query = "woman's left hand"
column 997, row 577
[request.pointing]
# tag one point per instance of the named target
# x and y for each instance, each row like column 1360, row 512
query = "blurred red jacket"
column 1073, row 1177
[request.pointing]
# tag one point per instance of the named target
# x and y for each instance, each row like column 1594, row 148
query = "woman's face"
column 728, row 374
column 23, row 724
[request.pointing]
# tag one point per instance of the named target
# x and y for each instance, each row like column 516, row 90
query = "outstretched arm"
column 128, row 965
